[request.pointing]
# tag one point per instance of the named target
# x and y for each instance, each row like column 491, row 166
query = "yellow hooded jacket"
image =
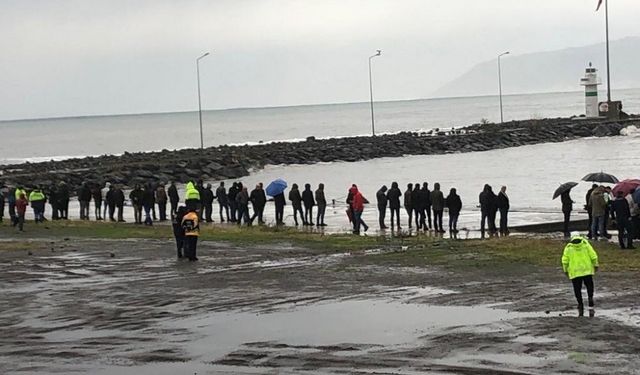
column 191, row 192
column 579, row 258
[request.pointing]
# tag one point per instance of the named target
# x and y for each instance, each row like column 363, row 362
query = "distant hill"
column 550, row 71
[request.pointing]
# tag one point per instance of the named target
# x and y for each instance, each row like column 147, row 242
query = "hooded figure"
column 408, row 202
column 502, row 202
column 393, row 196
column 258, row 200
column 357, row 207
column 437, row 202
column 322, row 205
column 309, row 202
column 488, row 210
column 105, row 204
column 296, row 203
column 223, row 201
column 192, row 197
column 454, row 205
column 580, row 263
column 381, row 197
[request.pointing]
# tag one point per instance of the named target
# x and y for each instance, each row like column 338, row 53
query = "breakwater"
column 230, row 162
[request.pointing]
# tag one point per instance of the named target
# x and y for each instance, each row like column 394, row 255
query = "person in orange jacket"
column 357, row 207
column 191, row 226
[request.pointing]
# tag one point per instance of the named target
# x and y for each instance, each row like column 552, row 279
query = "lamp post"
column 199, row 100
column 373, row 127
column 606, row 16
column 500, row 84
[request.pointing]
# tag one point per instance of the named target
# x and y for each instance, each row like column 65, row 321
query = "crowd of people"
column 424, row 208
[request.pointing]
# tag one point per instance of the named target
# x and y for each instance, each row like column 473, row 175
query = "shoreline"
column 235, row 161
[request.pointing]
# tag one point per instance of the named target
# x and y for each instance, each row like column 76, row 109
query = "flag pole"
column 606, row 15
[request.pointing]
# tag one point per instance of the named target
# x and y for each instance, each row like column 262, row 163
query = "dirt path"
column 129, row 307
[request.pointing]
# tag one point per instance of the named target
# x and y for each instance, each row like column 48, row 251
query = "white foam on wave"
column 630, row 131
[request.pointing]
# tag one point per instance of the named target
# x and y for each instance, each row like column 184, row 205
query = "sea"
column 531, row 173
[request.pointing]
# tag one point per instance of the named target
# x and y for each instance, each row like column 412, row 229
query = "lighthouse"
column 590, row 82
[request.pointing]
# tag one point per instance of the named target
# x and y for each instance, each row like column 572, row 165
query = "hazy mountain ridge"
column 550, row 71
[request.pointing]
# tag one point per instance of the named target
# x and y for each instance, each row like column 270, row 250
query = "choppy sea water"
column 45, row 139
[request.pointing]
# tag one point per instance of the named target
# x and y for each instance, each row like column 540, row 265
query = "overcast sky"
column 83, row 57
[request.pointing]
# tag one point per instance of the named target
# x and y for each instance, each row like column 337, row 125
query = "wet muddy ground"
column 130, row 307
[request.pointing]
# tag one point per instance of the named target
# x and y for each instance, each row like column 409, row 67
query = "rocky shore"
column 229, row 162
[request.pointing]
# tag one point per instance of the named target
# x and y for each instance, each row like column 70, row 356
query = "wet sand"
column 130, row 307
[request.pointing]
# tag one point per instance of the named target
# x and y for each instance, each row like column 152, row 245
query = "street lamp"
column 199, row 100
column 500, row 84
column 373, row 127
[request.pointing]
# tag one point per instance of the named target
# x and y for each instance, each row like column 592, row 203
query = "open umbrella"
column 276, row 187
column 564, row 188
column 601, row 177
column 626, row 187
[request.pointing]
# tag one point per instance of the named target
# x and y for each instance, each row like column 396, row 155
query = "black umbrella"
column 564, row 188
column 601, row 177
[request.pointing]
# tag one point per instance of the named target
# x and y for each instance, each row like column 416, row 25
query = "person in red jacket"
column 357, row 207
column 21, row 210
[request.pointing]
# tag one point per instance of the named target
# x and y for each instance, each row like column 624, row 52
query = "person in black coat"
column 588, row 207
column 416, row 204
column 63, row 200
column 223, row 201
column 567, row 207
column 111, row 202
column 174, row 198
column 279, row 202
column 207, row 198
column 408, row 203
column 84, row 197
column 135, row 196
column 488, row 209
column 393, row 195
column 296, row 203
column 309, row 202
column 381, row 197
column 118, row 195
column 258, row 200
column 233, row 205
column 53, row 201
column 425, row 206
column 148, row 201
column 454, row 205
column 96, row 193
column 623, row 221
column 178, row 230
column 503, row 206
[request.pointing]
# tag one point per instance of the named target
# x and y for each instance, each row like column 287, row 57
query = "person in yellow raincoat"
column 580, row 263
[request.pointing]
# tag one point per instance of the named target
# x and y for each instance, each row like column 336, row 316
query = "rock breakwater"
column 230, row 162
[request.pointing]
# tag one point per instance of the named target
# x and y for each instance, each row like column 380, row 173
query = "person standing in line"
column 393, row 196
column 258, row 200
column 161, row 201
column 21, row 210
column 178, row 230
column 279, row 201
column 635, row 215
column 136, row 197
column 296, row 203
column 598, row 205
column 608, row 209
column 416, row 204
column 437, row 202
column 110, row 201
column 623, row 220
column 207, row 202
column 309, row 202
column 233, row 205
column 148, row 201
column 200, row 188
column 38, row 200
column 408, row 203
column 96, row 194
column 192, row 197
column 381, row 197
column 589, row 209
column 427, row 205
column 119, row 200
column 63, row 200
column 84, row 197
column 223, row 201
column 503, row 206
column 488, row 206
column 3, row 193
column 174, row 198
column 11, row 202
column 53, row 202
column 567, row 207
column 454, row 205
column 357, row 204
column 105, row 205
column 321, row 200
column 191, row 227
column 580, row 263
column 242, row 199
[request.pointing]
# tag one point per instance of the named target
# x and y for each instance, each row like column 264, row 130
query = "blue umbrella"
column 276, row 187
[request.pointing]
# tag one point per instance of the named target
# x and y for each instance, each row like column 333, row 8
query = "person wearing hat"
column 580, row 263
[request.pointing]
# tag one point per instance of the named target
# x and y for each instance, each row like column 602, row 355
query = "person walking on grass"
column 191, row 227
column 408, row 203
column 580, row 263
column 393, row 196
